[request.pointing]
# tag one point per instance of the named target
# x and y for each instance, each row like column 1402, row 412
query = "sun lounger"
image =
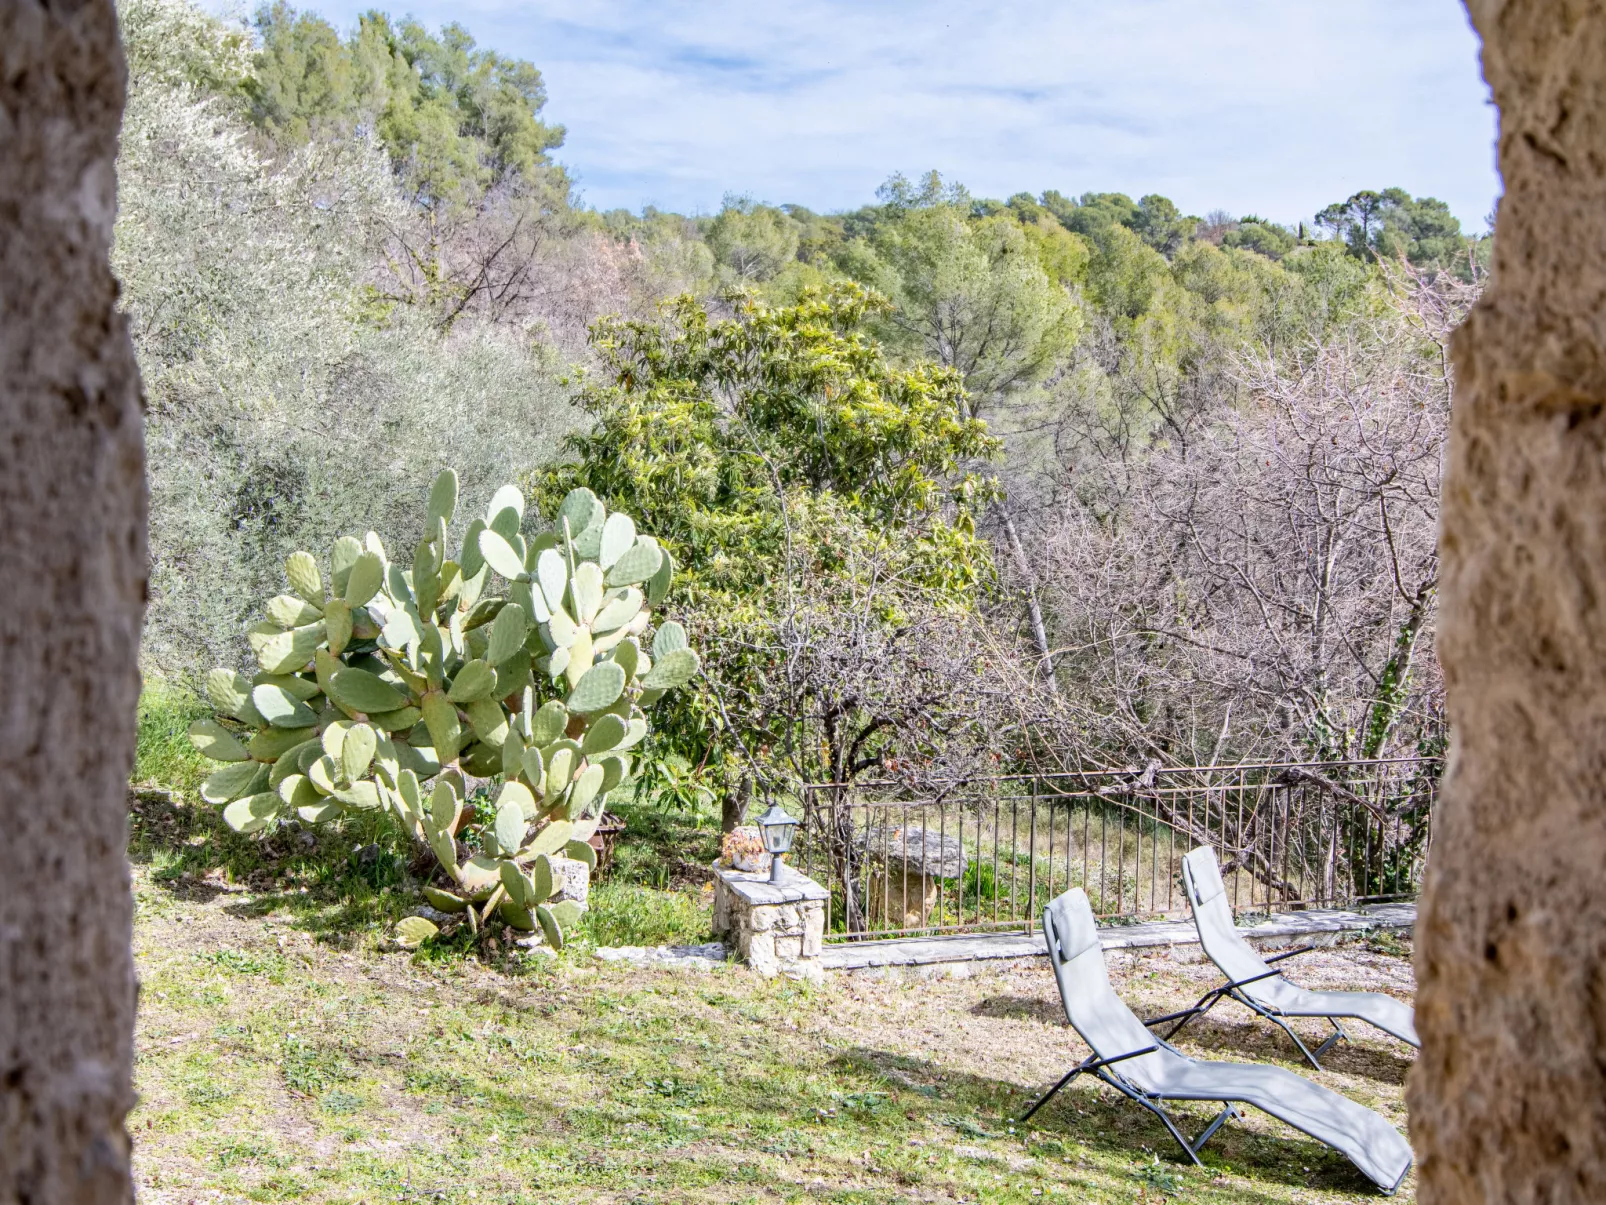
column 1253, row 983
column 1148, row 1070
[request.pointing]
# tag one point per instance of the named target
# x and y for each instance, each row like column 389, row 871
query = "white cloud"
column 1271, row 106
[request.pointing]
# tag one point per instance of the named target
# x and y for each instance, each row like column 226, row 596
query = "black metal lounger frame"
column 1099, row 1069
column 1229, row 991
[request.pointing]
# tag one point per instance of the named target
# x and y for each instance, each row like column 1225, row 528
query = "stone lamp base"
column 776, row 928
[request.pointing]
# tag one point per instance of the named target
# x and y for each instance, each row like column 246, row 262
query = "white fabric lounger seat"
column 1252, row 982
column 1146, row 1069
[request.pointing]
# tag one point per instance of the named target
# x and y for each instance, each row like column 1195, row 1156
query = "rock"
column 917, row 851
column 688, row 958
column 571, row 880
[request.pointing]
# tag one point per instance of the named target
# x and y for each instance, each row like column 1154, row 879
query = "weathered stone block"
column 814, row 931
column 760, row 954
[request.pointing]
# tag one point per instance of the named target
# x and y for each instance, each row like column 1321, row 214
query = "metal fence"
column 987, row 854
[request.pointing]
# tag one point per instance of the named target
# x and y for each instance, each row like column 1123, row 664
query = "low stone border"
column 963, row 952
column 685, row 958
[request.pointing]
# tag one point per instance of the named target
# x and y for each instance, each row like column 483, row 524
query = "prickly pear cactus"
column 381, row 687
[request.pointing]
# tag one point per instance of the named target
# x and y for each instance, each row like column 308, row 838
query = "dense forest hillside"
column 1065, row 478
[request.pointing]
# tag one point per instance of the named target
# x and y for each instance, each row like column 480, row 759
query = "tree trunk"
column 1508, row 1100
column 72, row 545
column 733, row 808
column 1034, row 612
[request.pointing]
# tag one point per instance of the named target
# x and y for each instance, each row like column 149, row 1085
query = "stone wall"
column 1508, row 1099
column 776, row 928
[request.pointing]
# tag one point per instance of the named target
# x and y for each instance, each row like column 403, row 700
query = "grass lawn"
column 284, row 1054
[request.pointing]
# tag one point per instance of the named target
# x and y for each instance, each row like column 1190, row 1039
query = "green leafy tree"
column 752, row 241
column 1392, row 223
column 1155, row 219
column 705, row 425
column 976, row 287
column 456, row 119
column 1093, row 212
column 1251, row 233
column 1162, row 225
column 774, row 453
column 1125, row 274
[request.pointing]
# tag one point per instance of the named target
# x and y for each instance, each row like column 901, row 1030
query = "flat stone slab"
column 981, row 947
column 687, row 958
column 755, row 889
column 917, row 850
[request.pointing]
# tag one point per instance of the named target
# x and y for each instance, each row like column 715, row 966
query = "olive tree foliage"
column 281, row 400
column 1259, row 581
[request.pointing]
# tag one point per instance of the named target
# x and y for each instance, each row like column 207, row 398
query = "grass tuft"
column 163, row 754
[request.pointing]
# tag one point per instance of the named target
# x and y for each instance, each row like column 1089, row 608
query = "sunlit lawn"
column 286, row 1054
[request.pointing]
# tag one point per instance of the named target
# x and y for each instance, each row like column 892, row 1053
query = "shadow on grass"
column 1106, row 1123
column 1021, row 1008
column 359, row 875
column 334, row 882
column 1222, row 1037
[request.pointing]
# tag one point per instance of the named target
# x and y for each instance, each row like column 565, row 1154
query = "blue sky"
column 1276, row 107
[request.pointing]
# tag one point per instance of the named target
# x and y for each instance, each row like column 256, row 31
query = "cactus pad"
column 290, row 611
column 367, row 575
column 302, row 573
column 254, row 812
column 216, row 741
column 281, row 708
column 474, row 681
column 500, row 555
column 357, row 751
column 675, row 669
column 234, row 780
column 658, row 583
column 508, row 631
column 599, row 688
column 636, row 564
column 414, row 931
column 605, row 732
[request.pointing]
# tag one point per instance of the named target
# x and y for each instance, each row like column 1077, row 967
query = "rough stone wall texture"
column 72, row 556
column 780, row 939
column 1508, row 1099
column 772, row 939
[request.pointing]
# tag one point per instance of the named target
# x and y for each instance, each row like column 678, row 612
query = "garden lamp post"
column 777, row 829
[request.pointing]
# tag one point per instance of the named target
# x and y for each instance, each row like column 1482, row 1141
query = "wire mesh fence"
column 987, row 854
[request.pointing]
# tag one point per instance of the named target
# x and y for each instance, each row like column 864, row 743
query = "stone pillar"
column 776, row 928
column 1508, row 1098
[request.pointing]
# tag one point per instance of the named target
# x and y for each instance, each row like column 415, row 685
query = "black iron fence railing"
column 988, row 853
